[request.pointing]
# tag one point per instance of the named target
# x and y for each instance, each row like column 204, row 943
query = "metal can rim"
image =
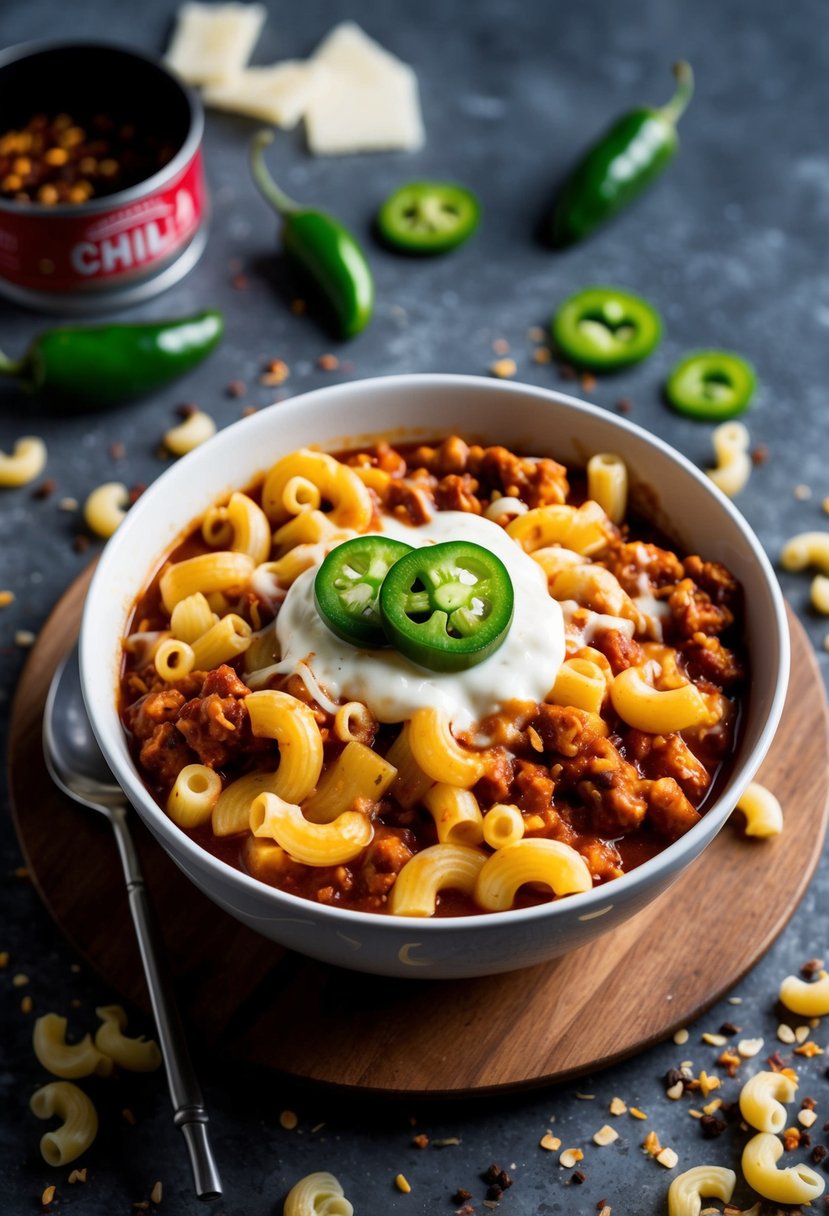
column 110, row 202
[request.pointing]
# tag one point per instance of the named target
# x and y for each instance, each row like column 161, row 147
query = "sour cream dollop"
column 523, row 668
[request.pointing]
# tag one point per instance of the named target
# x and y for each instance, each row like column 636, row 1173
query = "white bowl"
column 698, row 517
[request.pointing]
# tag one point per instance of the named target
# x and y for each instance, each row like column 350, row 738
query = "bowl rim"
column 584, row 905
column 184, row 154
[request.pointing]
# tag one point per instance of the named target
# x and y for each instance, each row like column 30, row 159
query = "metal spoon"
column 77, row 766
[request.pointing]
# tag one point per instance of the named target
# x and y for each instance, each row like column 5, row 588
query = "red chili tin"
column 124, row 247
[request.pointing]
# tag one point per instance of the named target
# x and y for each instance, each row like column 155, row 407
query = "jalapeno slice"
column 712, row 385
column 604, row 328
column 447, row 607
column 428, row 217
column 347, row 587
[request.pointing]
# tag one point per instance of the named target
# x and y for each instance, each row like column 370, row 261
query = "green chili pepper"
column 712, row 385
column 620, row 164
column 428, row 217
column 447, row 607
column 604, row 328
column 347, row 587
column 106, row 364
column 321, row 249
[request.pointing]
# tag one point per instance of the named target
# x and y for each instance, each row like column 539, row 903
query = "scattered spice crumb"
column 570, row 1157
column 317, row 1128
column 249, row 411
column 46, row 488
column 503, row 369
column 240, row 282
column 760, row 454
column 77, row 1176
column 801, row 1033
column 4, row 958
column 806, row 1118
column 20, row 980
column 711, row 1106
column 802, row 492
column 579, row 1177
column 289, row 1120
column 624, row 405
column 6, row 598
column 617, row 1107
column 808, row 1049
column 637, row 1113
column 24, row 638
column 605, row 1135
column 421, row 1141
column 588, row 381
column 549, row 1142
column 651, row 1144
column 21, row 872
column 276, row 372
column 668, row 1158
column 461, row 1195
column 735, row 1000
column 47, row 1196
column 711, row 1126
column 328, row 363
column 500, row 346
column 542, row 354
column 155, row 1193
column 81, row 542
column 708, row 1083
column 681, row 1037
column 117, row 451
column 808, row 1104
column 819, row 1153
column 791, row 1138
column 236, row 388
column 714, row 1040
column 298, row 307
column 447, row 1142
column 402, row 1184
column 135, row 492
column 584, row 1097
column 785, row 1033
column 26, row 1005
column 186, row 410
column 128, row 1116
column 536, row 334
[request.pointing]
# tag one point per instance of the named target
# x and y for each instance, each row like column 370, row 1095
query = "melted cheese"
column 523, row 668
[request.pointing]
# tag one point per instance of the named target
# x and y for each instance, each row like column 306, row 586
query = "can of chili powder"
column 103, row 200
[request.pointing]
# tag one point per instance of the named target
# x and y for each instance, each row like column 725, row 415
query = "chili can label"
column 82, row 251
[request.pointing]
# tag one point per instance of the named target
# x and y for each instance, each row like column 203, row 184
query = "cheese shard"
column 212, row 42
column 279, row 94
column 366, row 102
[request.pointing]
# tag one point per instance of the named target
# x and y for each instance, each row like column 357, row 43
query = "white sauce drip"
column 392, row 687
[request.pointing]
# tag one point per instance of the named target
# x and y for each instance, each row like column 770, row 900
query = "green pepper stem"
column 267, row 186
column 676, row 107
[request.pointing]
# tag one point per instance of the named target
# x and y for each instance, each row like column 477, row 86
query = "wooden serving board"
column 257, row 1003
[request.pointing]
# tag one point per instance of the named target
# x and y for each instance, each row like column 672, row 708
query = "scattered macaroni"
column 106, row 507
column 80, row 1121
column 763, row 812
column 26, row 462
column 68, row 1060
column 194, row 796
column 317, row 1194
column 819, row 594
column 733, row 469
column 796, row 1184
column 686, row 1190
column 809, row 1000
column 761, row 1100
column 133, row 1055
column 189, row 434
column 806, row 549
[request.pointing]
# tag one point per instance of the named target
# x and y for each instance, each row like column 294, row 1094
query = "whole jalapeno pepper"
column 620, row 165
column 326, row 255
column 102, row 365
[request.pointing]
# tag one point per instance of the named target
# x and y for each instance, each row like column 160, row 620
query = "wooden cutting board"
column 253, row 1001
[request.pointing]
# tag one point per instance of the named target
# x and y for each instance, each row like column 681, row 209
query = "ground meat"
column 706, row 658
column 669, row 811
column 565, row 731
column 715, row 580
column 612, row 790
column 457, row 493
column 165, row 754
column 603, row 860
column 535, row 787
column 693, row 610
column 537, row 482
column 620, row 651
column 631, row 561
column 450, row 458
column 669, row 756
column 145, row 715
column 215, row 724
column 411, row 502
column 496, row 782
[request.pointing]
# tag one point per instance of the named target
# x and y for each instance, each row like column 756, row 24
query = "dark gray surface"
column 730, row 246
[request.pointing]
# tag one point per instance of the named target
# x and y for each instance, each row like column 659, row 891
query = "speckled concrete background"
column 731, row 246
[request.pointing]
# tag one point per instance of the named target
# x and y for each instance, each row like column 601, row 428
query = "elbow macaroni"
column 190, row 433
column 806, row 549
column 686, row 1190
column 763, row 812
column 761, row 1100
column 357, row 773
column 733, row 468
column 438, row 753
column 318, row 1194
column 659, row 712
column 133, row 1055
column 314, row 844
column 550, row 862
column 194, row 795
column 106, row 508
column 68, row 1060
column 456, row 813
column 276, row 715
column 439, row 868
column 809, row 1000
column 607, row 484
column 27, row 461
column 796, row 1184
column 79, row 1125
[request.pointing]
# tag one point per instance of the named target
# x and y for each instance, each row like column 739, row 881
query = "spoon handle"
column 185, row 1093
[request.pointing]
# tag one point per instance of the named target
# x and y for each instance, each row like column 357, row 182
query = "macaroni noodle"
column 503, row 826
column 607, row 484
column 438, row 868
column 193, row 431
column 763, row 812
column 659, row 712
column 133, row 1055
column 584, row 529
column 456, row 814
column 27, row 461
column 761, row 1100
column 819, row 594
column 80, row 1121
column 106, row 507
column 550, row 862
column 733, row 468
column 242, row 525
column 314, row 844
column 191, row 618
column 438, row 753
column 686, row 1190
column 62, row 1059
column 581, row 683
column 231, row 813
column 806, row 549
column 276, row 715
column 809, row 1000
column 317, row 1194
column 795, row 1184
column 194, row 796
column 208, row 572
column 357, row 773
column 173, row 659
column 352, row 506
column 223, row 641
